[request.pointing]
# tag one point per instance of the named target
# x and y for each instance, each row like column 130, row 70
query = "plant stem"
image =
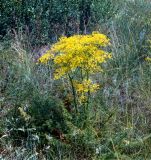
column 88, row 98
column 73, row 92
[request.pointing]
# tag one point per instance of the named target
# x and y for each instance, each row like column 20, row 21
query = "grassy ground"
column 37, row 121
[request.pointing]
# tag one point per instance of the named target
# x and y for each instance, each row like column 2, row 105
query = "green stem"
column 87, row 103
column 81, row 74
column 88, row 98
column 74, row 93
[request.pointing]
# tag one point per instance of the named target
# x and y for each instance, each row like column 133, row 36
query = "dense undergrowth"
column 38, row 117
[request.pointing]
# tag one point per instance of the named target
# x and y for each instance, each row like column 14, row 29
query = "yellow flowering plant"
column 77, row 58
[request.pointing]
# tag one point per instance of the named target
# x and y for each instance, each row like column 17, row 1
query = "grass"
column 119, row 121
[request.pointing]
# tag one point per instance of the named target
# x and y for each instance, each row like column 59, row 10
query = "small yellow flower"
column 24, row 114
column 148, row 59
column 86, row 86
column 45, row 58
column 82, row 98
column 126, row 142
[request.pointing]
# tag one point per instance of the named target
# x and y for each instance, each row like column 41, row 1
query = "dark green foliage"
column 44, row 116
column 44, row 20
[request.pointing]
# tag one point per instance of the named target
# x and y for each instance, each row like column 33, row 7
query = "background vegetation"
column 37, row 120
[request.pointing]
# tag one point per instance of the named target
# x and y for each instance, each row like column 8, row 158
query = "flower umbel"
column 79, row 51
column 85, row 87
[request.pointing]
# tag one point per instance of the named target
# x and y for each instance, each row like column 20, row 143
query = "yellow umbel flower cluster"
column 86, row 86
column 79, row 51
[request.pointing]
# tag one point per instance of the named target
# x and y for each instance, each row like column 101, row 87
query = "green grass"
column 118, row 124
